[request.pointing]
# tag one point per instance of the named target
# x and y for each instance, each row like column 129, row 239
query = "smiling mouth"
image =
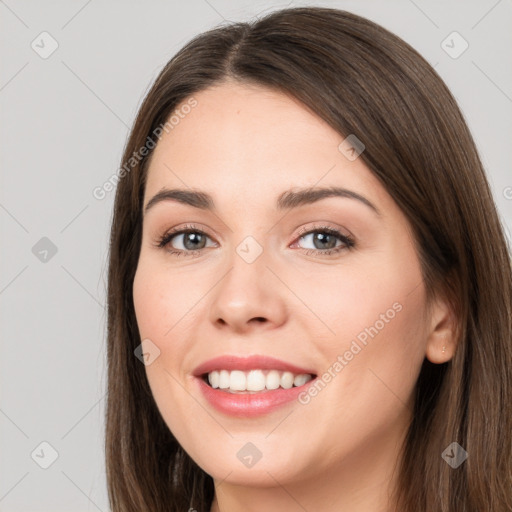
column 254, row 381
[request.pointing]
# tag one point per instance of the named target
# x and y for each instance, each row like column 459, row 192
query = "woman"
column 309, row 287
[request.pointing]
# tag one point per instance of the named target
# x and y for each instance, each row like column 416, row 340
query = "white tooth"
column 224, row 379
column 255, row 380
column 213, row 379
column 287, row 380
column 237, row 381
column 273, row 379
column 301, row 379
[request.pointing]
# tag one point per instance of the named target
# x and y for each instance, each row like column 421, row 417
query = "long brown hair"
column 361, row 80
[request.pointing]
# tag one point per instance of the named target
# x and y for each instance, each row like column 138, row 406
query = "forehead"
column 249, row 142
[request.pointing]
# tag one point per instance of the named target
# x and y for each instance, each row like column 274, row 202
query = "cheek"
column 158, row 310
column 352, row 300
column 372, row 307
column 380, row 332
column 163, row 298
column 167, row 305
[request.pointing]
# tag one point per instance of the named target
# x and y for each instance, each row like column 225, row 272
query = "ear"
column 442, row 334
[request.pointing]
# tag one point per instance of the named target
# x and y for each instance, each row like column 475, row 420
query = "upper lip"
column 254, row 362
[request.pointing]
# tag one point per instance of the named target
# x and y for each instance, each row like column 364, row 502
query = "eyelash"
column 348, row 241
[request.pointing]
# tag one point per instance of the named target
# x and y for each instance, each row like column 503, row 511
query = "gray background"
column 65, row 119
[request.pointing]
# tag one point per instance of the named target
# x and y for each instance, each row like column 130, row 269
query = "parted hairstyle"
column 363, row 80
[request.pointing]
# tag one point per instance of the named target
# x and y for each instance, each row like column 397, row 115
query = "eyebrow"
column 286, row 200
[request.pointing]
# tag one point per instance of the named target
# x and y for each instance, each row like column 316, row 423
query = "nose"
column 249, row 296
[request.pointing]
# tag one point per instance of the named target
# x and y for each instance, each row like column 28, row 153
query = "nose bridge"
column 245, row 291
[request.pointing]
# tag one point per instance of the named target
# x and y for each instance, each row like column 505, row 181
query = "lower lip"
column 249, row 405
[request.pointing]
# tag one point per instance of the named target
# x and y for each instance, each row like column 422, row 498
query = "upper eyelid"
column 306, row 230
column 302, row 231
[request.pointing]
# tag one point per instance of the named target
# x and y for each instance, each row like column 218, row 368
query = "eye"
column 192, row 239
column 325, row 240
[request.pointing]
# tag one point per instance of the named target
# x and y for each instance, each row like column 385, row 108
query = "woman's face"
column 259, row 277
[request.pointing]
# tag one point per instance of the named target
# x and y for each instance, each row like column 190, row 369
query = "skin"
column 245, row 145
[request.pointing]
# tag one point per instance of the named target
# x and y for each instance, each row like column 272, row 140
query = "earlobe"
column 439, row 349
